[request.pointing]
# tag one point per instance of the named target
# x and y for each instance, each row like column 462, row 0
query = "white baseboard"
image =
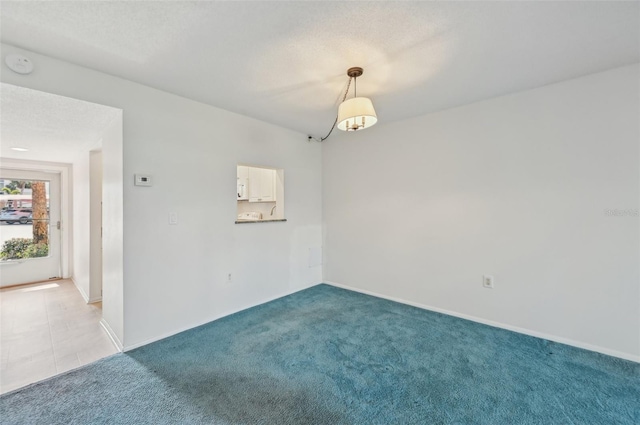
column 114, row 338
column 211, row 319
column 578, row 344
column 84, row 296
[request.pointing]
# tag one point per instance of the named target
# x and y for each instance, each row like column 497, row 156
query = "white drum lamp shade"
column 356, row 113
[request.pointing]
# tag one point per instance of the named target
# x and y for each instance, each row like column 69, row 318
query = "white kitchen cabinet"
column 262, row 185
column 243, row 172
column 243, row 183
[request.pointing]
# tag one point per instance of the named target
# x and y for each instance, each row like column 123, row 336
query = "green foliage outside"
column 15, row 187
column 8, row 191
column 18, row 248
column 37, row 250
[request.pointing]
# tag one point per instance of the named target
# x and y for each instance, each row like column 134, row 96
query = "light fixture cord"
column 322, row 139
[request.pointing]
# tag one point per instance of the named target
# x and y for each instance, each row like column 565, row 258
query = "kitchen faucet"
column 274, row 207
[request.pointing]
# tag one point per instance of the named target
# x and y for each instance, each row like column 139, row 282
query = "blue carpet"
column 330, row 356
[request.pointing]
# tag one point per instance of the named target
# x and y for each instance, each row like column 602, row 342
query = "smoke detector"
column 20, row 64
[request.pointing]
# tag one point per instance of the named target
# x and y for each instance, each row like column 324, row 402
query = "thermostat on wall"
column 143, row 180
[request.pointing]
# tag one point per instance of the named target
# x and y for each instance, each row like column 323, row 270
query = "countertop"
column 260, row 221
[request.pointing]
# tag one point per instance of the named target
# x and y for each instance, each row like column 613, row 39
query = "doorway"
column 29, row 226
column 77, row 148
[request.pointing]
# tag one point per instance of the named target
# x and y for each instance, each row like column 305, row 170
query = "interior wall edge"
column 85, row 297
column 114, row 337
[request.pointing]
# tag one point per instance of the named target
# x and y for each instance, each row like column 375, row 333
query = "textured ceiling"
column 53, row 128
column 285, row 62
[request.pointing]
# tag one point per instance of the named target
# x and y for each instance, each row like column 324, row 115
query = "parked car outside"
column 18, row 215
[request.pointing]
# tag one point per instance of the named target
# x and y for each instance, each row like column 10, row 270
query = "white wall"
column 515, row 187
column 81, row 242
column 175, row 277
column 87, row 243
column 95, row 224
column 113, row 237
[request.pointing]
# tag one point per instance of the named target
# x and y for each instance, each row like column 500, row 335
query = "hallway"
column 46, row 329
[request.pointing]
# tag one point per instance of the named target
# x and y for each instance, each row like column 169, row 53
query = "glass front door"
column 29, row 226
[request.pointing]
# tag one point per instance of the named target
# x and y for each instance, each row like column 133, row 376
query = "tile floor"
column 46, row 329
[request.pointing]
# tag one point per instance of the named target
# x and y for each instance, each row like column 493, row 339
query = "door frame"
column 65, row 202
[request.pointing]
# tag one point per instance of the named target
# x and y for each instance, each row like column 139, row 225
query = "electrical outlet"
column 142, row 180
column 173, row 218
column 487, row 281
column 229, row 277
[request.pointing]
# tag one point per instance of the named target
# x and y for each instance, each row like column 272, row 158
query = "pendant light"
column 354, row 114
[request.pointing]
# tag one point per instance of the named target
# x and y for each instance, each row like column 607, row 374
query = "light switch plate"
column 143, row 180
